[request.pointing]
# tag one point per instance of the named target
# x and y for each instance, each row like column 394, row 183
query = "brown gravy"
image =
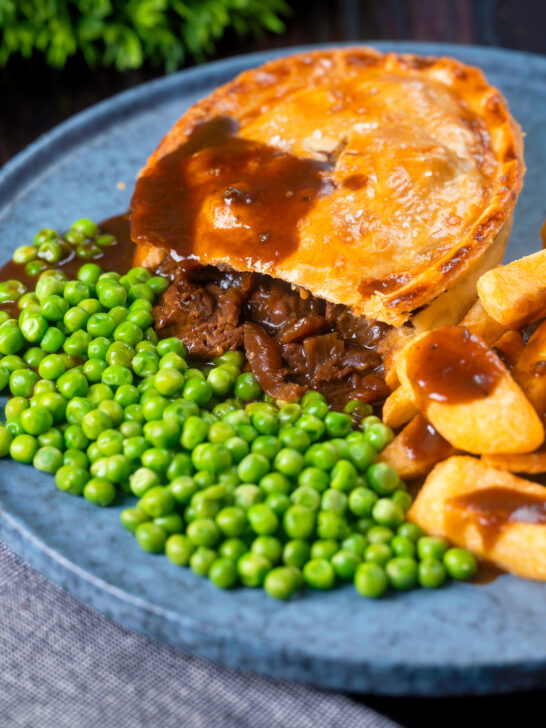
column 454, row 366
column 422, row 442
column 491, row 509
column 260, row 193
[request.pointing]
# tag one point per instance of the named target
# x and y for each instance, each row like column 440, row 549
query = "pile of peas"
column 237, row 486
column 84, row 240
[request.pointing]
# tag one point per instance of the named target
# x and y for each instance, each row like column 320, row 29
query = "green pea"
column 48, row 459
column 22, row 382
column 195, row 390
column 247, row 495
column 324, row 549
column 171, row 523
column 132, row 517
column 52, row 340
column 316, row 408
column 99, row 491
column 363, row 456
column 431, row 573
column 356, row 543
column 173, row 361
column 402, row 546
column 71, row 479
column 281, row 582
column 11, row 338
column 262, row 519
column 429, row 547
column 299, row 522
column 98, row 347
column 179, row 549
column 203, row 532
column 237, row 447
column 314, row 478
column 143, row 480
column 371, row 580
column 275, row 483
column 345, row 564
column 76, row 458
column 379, row 534
column 289, row 462
column 344, row 475
column 252, row 468
column 56, row 404
column 111, row 293
column 15, row 407
column 379, row 436
column 459, row 563
column 151, row 537
column 52, row 438
column 313, row 426
column 246, row 387
column 158, row 284
column 180, row 465
column 156, row 458
column 319, row 574
column 202, row 560
column 253, row 568
column 331, row 525
column 388, row 513
column 402, row 573
column 36, row 420
column 99, row 392
column 11, row 290
column 296, row 553
column 334, row 501
column 233, row 549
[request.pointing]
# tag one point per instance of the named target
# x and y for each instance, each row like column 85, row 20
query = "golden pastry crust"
column 428, row 165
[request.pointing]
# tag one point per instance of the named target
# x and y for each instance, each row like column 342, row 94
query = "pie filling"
column 292, row 340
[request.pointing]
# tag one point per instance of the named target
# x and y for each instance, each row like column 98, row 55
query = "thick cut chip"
column 416, row 449
column 479, row 322
column 498, row 516
column 529, row 370
column 509, row 347
column 531, row 463
column 515, row 294
column 398, row 408
column 464, row 390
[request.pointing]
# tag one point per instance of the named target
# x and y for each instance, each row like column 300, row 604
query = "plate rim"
column 14, row 181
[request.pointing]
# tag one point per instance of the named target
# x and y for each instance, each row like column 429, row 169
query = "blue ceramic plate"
column 461, row 639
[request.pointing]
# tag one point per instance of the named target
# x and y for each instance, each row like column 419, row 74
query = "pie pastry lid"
column 422, row 165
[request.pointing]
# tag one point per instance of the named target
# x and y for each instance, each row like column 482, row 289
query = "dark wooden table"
column 35, row 98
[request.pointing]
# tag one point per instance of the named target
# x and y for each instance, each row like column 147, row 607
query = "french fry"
column 477, row 507
column 531, row 463
column 515, row 294
column 398, row 408
column 479, row 322
column 529, row 370
column 416, row 449
column 509, row 346
column 464, row 390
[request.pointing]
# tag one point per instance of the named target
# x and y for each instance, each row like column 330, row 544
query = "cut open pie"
column 325, row 206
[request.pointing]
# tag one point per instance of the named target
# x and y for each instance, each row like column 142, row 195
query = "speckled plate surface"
column 461, row 639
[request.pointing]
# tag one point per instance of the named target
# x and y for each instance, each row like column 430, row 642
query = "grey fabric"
column 63, row 665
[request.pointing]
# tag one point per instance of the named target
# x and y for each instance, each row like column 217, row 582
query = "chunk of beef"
column 358, row 330
column 324, row 356
column 264, row 356
column 278, row 309
column 204, row 316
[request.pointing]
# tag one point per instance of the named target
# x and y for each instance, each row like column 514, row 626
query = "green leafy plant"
column 126, row 33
